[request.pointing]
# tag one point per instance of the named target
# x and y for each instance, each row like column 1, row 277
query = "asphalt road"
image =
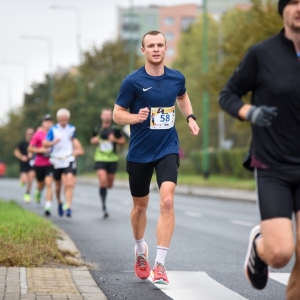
column 208, row 247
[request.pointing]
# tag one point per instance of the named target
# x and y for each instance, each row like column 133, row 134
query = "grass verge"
column 26, row 239
column 214, row 181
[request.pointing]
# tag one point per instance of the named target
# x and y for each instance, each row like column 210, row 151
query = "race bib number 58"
column 162, row 117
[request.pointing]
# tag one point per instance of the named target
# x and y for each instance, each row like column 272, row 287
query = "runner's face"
column 154, row 48
column 29, row 134
column 63, row 121
column 47, row 124
column 291, row 15
column 106, row 116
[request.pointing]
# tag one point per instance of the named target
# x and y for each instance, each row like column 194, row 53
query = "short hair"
column 63, row 112
column 106, row 108
column 29, row 129
column 152, row 32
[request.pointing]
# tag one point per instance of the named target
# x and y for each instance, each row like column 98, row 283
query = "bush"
column 12, row 170
column 223, row 162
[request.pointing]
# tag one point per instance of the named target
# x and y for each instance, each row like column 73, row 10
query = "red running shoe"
column 159, row 273
column 141, row 265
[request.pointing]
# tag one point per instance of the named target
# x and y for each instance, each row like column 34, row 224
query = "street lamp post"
column 50, row 64
column 9, row 99
column 131, row 37
column 205, row 96
column 19, row 64
column 78, row 42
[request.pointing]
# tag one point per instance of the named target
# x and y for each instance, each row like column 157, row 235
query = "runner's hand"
column 24, row 158
column 261, row 115
column 143, row 114
column 193, row 127
column 111, row 137
column 56, row 141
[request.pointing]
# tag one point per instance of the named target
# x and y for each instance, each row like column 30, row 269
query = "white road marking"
column 192, row 214
column 242, row 223
column 196, row 286
column 280, row 277
column 126, row 203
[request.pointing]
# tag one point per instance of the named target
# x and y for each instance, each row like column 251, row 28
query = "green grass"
column 215, row 181
column 27, row 239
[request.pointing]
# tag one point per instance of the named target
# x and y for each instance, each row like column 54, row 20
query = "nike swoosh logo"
column 144, row 90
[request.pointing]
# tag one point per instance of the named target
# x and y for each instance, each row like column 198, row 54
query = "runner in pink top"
column 41, row 159
column 42, row 165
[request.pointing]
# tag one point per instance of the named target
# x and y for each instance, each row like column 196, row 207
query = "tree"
column 241, row 29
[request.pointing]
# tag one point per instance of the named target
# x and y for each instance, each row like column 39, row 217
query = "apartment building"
column 170, row 20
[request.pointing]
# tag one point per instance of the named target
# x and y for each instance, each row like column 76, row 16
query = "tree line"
column 104, row 68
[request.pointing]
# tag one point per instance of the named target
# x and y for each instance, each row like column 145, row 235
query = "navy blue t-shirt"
column 158, row 93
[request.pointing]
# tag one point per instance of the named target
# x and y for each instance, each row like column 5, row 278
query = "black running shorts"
column 72, row 168
column 278, row 192
column 41, row 172
column 25, row 167
column 109, row 167
column 140, row 174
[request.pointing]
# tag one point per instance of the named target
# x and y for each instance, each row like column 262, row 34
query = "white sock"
column 48, row 205
column 161, row 254
column 140, row 246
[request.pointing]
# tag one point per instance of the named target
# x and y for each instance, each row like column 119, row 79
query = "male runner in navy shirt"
column 150, row 94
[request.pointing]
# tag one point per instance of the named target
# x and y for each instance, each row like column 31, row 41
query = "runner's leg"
column 58, row 191
column 30, row 179
column 293, row 288
column 276, row 246
column 23, row 178
column 166, row 220
column 103, row 178
column 69, row 181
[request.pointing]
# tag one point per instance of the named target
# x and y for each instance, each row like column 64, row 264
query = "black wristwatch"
column 190, row 116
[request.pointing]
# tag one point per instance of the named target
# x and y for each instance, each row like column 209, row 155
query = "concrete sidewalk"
column 219, row 193
column 74, row 283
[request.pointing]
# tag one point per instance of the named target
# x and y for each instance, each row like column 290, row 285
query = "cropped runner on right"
column 271, row 71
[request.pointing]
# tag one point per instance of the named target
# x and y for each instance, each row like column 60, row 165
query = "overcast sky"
column 25, row 61
column 33, row 17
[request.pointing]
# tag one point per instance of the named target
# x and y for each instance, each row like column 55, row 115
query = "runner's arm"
column 33, row 149
column 120, row 141
column 123, row 117
column 19, row 155
column 94, row 140
column 77, row 147
column 240, row 83
column 185, row 106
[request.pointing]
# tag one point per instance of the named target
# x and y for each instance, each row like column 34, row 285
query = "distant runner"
column 26, row 163
column 61, row 137
column 42, row 166
column 106, row 136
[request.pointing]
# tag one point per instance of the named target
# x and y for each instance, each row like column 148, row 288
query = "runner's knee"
column 140, row 209
column 279, row 256
column 167, row 203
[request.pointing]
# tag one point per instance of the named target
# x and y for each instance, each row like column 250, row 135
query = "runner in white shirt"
column 61, row 137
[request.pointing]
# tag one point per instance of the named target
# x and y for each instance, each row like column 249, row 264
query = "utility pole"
column 78, row 43
column 131, row 37
column 205, row 96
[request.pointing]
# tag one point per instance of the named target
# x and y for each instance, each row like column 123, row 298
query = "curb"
column 65, row 243
column 81, row 275
column 205, row 192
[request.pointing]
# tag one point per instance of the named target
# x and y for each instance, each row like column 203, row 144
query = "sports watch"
column 190, row 116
